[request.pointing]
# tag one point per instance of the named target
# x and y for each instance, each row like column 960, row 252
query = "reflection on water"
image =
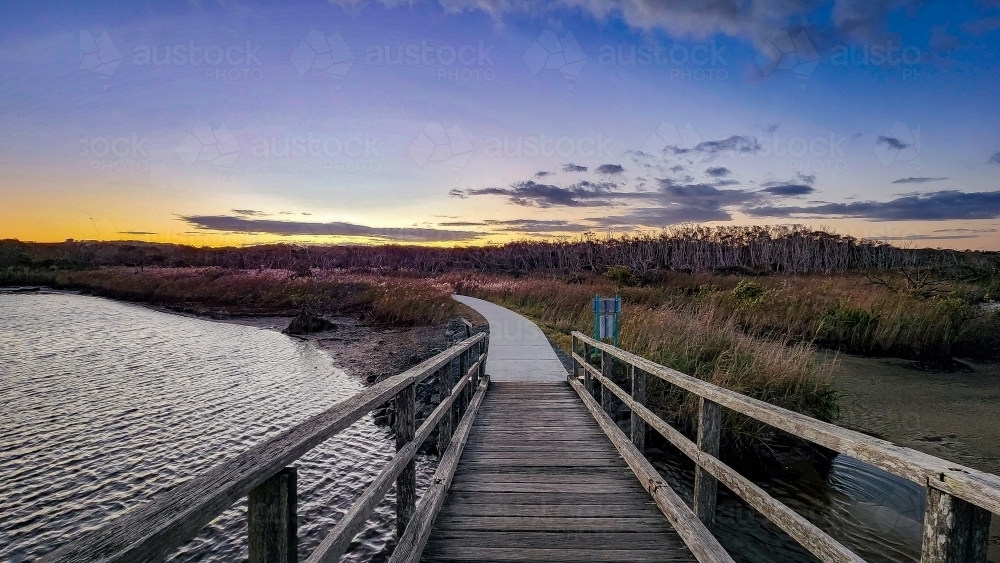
column 875, row 514
column 103, row 404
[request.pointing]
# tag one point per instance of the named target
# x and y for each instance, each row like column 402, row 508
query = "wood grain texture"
column 337, row 541
column 976, row 487
column 637, row 427
column 818, row 542
column 527, row 491
column 701, row 542
column 955, row 531
column 148, row 531
column 272, row 524
column 705, row 485
column 411, row 543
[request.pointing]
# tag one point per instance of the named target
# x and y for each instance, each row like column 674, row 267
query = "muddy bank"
column 951, row 415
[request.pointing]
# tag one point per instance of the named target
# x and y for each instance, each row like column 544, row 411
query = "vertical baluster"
column 272, row 519
column 955, row 531
column 406, row 483
column 638, row 425
column 573, row 352
column 463, row 370
column 446, row 424
column 607, row 363
column 705, row 486
column 588, row 380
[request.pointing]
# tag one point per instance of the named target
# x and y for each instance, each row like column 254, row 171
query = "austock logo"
column 551, row 52
column 318, row 52
column 100, row 55
column 440, row 144
column 205, row 144
column 784, row 52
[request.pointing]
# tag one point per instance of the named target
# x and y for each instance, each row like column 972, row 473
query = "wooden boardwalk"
column 540, row 481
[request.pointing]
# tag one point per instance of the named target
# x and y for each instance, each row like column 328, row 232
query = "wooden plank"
column 955, row 531
column 412, row 542
column 337, row 541
column 272, row 520
column 699, row 540
column 551, row 499
column 637, row 426
column 591, row 523
column 406, row 483
column 445, row 553
column 619, row 511
column 709, row 435
column 820, row 544
column 567, row 538
column 977, row 487
column 149, row 530
column 488, row 487
column 444, row 427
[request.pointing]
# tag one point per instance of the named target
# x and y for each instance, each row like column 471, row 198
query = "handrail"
column 150, row 531
column 950, row 522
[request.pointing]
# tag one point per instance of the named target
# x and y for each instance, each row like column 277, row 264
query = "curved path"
column 518, row 349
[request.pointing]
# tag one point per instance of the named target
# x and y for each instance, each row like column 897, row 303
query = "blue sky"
column 476, row 120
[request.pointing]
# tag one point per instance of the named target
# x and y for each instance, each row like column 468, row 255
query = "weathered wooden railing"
column 960, row 500
column 262, row 473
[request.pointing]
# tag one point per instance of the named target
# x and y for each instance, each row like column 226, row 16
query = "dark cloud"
column 891, row 142
column 249, row 212
column 933, row 206
column 788, row 190
column 737, row 144
column 919, row 180
column 135, row 233
column 543, row 173
column 995, row 159
column 240, row 224
column 573, row 168
column 524, row 225
column 610, row 169
column 717, row 171
column 533, row 194
column 771, row 129
column 677, row 168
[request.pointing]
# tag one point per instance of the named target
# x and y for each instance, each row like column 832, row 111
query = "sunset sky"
column 473, row 121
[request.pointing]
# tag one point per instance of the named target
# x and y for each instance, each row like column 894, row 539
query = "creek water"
column 879, row 516
column 104, row 404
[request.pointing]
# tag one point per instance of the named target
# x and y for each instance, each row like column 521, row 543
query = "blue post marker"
column 607, row 313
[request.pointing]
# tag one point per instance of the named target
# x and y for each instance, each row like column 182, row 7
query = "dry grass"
column 396, row 301
column 694, row 337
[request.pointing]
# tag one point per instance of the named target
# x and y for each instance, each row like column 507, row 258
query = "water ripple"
column 105, row 404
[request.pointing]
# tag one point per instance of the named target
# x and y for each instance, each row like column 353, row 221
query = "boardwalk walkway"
column 518, row 349
column 539, row 481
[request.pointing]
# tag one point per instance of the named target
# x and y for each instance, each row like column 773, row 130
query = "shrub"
column 748, row 292
column 621, row 276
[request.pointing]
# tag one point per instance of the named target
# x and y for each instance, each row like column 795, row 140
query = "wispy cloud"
column 919, row 179
column 933, row 206
column 242, row 224
column 573, row 168
column 610, row 169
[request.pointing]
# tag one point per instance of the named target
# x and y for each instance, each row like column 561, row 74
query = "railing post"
column 406, row 483
column 637, row 424
column 272, row 520
column 463, row 370
column 446, row 424
column 955, row 531
column 705, row 486
column 573, row 352
column 588, row 380
column 606, row 394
